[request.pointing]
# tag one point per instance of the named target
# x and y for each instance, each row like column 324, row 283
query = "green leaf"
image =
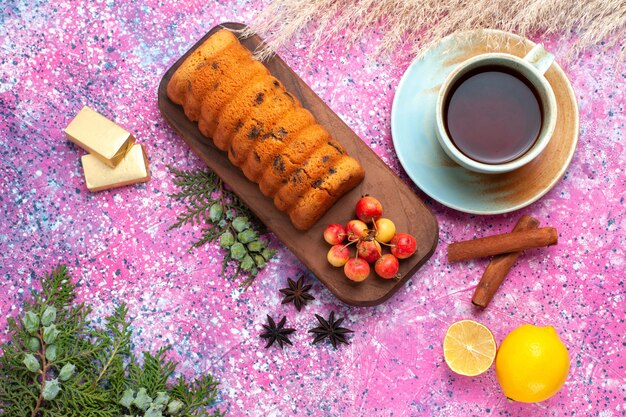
column 33, row 344
column 57, row 289
column 256, row 246
column 216, row 212
column 67, row 371
column 200, row 393
column 259, row 261
column 51, row 352
column 241, row 223
column 247, row 236
column 161, row 399
column 49, row 316
column 114, row 349
column 174, row 407
column 142, row 400
column 226, row 240
column 50, row 333
column 247, row 263
column 267, row 254
column 153, row 411
column 237, row 251
column 127, row 398
column 31, row 362
column 154, row 373
column 51, row 390
column 31, row 322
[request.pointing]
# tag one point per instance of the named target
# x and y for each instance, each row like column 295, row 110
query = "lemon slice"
column 469, row 348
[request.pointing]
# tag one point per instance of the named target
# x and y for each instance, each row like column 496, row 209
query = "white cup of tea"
column 497, row 112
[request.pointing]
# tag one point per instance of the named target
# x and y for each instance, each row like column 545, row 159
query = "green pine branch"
column 58, row 363
column 201, row 393
column 225, row 219
column 57, row 289
column 115, row 349
column 153, row 374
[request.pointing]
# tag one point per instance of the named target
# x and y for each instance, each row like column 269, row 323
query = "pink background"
column 60, row 55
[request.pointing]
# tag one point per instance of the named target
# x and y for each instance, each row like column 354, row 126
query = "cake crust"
column 284, row 163
column 274, row 140
column 177, row 86
column 264, row 129
column 258, row 127
column 307, row 175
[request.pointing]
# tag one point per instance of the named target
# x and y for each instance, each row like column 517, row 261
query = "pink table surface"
column 60, row 55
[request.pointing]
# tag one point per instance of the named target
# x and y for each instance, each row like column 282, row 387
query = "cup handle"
column 539, row 58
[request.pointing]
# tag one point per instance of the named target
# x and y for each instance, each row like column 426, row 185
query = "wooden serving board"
column 400, row 204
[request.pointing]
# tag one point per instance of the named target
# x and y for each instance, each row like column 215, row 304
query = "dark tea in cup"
column 493, row 114
column 496, row 112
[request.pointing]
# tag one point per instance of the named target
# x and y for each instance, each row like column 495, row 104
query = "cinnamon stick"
column 504, row 243
column 499, row 267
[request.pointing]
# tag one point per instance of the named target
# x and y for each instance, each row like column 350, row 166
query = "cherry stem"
column 350, row 243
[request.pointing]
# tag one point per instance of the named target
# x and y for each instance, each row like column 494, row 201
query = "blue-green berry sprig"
column 225, row 219
column 57, row 363
column 41, row 356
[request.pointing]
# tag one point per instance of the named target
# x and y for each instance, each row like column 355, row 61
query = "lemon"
column 532, row 363
column 469, row 348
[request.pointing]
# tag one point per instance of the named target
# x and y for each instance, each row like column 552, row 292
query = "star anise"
column 330, row 329
column 297, row 292
column 276, row 332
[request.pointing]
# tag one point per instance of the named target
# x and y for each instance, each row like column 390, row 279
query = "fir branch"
column 154, row 373
column 207, row 235
column 58, row 363
column 196, row 214
column 57, row 289
column 116, row 346
column 43, row 373
column 94, row 400
column 225, row 219
column 200, row 394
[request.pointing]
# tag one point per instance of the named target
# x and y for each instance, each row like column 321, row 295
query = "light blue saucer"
column 413, row 132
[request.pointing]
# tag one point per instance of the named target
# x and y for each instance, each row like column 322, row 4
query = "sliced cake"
column 308, row 174
column 232, row 118
column 346, row 174
column 272, row 142
column 227, row 89
column 258, row 125
column 177, row 86
column 290, row 158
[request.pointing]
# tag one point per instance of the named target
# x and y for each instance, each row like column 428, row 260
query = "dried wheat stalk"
column 422, row 22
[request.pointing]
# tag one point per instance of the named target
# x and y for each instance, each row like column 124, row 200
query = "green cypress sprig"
column 58, row 363
column 226, row 220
